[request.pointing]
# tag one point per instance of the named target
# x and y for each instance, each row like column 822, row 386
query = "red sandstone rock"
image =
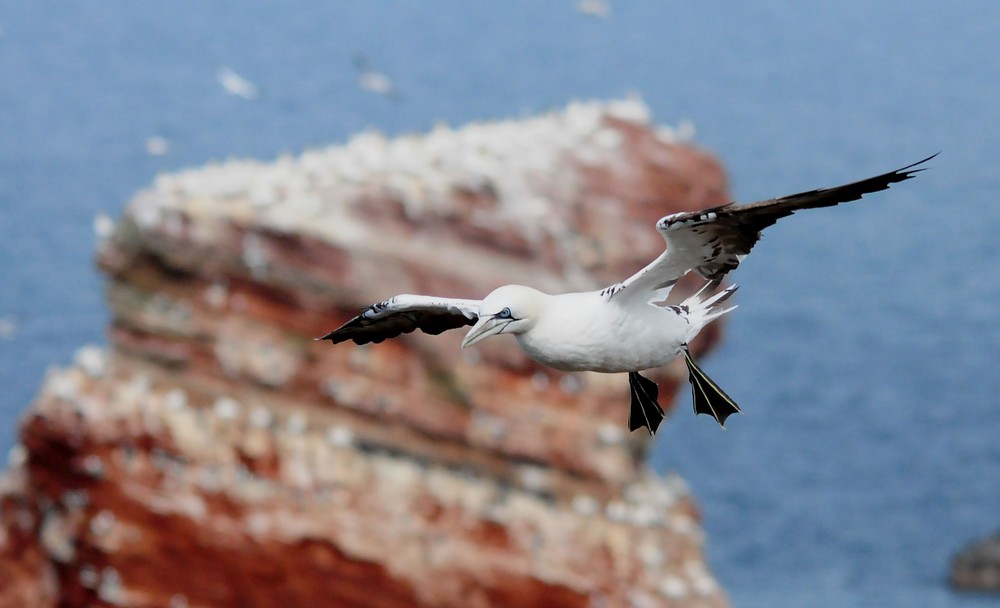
column 977, row 566
column 216, row 455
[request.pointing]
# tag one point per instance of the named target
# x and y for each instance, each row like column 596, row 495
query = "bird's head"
column 511, row 309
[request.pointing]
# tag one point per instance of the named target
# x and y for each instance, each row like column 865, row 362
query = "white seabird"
column 234, row 84
column 372, row 80
column 594, row 8
column 624, row 327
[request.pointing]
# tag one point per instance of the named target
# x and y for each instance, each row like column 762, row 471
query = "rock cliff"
column 214, row 454
column 977, row 566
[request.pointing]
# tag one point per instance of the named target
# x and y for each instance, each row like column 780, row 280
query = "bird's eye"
column 504, row 314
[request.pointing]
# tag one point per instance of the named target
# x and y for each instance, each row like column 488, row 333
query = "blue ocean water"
column 865, row 348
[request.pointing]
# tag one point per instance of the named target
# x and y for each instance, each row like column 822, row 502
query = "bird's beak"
column 484, row 328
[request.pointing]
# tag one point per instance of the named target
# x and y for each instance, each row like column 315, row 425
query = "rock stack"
column 976, row 567
column 214, row 454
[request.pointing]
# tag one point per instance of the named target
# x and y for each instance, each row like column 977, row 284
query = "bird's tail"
column 708, row 397
column 700, row 312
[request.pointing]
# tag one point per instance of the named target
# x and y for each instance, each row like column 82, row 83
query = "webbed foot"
column 708, row 397
column 644, row 411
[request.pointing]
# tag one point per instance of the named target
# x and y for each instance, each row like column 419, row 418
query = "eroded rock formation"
column 977, row 566
column 216, row 455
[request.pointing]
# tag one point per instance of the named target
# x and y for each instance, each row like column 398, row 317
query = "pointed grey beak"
column 484, row 328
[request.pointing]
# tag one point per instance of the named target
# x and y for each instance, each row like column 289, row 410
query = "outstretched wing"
column 714, row 241
column 404, row 313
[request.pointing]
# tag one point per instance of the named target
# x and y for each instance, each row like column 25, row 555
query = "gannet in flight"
column 625, row 327
column 234, row 84
column 372, row 80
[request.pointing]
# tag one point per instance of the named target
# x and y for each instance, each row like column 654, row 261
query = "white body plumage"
column 592, row 332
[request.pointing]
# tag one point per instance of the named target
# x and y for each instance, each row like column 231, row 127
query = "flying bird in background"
column 236, row 85
column 625, row 327
column 594, row 8
column 372, row 80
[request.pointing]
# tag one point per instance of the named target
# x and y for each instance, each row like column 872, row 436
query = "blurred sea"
column 866, row 345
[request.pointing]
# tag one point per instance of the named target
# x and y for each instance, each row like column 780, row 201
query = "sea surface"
column 866, row 348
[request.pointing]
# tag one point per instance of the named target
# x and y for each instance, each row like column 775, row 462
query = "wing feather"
column 403, row 314
column 714, row 241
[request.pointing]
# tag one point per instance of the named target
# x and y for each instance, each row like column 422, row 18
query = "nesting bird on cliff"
column 625, row 327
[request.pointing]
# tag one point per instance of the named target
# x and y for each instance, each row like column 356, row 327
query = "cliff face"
column 216, row 455
column 976, row 567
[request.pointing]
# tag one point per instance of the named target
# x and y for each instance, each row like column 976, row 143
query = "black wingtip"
column 908, row 171
column 334, row 336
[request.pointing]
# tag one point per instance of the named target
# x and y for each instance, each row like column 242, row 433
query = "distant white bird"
column 8, row 328
column 625, row 327
column 372, row 80
column 234, row 84
column 157, row 145
column 594, row 8
column 103, row 226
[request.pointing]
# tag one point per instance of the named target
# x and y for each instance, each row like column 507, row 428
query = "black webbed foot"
column 644, row 411
column 708, row 397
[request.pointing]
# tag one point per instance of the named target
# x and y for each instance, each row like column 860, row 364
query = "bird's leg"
column 708, row 397
column 644, row 411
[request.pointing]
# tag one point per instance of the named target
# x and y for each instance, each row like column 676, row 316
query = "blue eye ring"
column 503, row 314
